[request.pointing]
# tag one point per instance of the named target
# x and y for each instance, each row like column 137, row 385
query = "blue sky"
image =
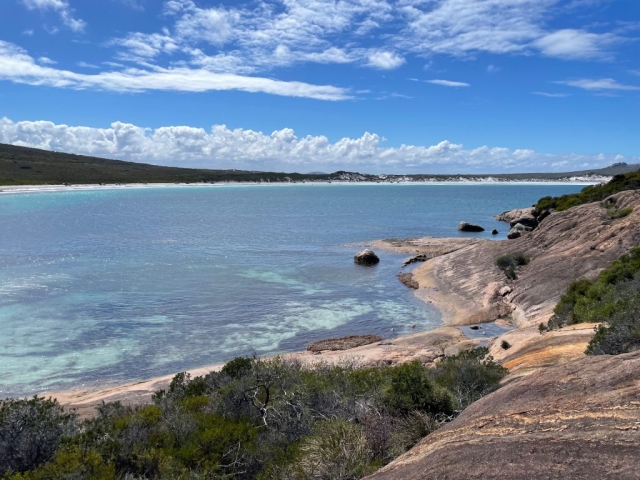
column 369, row 85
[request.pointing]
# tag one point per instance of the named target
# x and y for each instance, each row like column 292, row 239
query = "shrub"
column 615, row 214
column 411, row 387
column 621, row 332
column 255, row 418
column 510, row 262
column 469, row 375
column 591, row 193
column 587, row 301
column 505, row 345
column 337, row 450
column 30, row 432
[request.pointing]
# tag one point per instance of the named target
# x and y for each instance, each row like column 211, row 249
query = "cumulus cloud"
column 63, row 9
column 448, row 83
column 17, row 66
column 283, row 150
column 385, row 60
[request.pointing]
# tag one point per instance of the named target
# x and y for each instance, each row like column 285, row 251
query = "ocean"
column 109, row 286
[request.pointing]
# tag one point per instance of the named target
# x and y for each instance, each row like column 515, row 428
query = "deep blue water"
column 117, row 285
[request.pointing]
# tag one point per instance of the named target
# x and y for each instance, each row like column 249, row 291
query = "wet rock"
column 418, row 258
column 408, row 280
column 343, row 343
column 469, row 227
column 366, row 257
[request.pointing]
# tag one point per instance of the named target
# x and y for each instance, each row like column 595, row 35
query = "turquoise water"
column 116, row 285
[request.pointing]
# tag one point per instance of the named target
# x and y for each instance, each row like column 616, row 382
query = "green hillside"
column 30, row 166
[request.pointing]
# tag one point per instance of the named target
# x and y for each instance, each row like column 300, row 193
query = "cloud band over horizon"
column 239, row 148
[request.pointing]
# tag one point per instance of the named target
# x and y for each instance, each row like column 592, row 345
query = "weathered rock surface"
column 580, row 420
column 515, row 214
column 366, row 257
column 517, row 231
column 469, row 227
column 576, row 243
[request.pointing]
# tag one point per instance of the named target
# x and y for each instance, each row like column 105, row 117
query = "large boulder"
column 526, row 221
column 512, row 215
column 517, row 231
column 469, row 227
column 366, row 257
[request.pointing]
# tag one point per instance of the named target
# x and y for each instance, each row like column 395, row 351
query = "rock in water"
column 494, row 232
column 469, row 227
column 366, row 257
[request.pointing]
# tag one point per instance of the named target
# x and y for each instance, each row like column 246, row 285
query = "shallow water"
column 115, row 285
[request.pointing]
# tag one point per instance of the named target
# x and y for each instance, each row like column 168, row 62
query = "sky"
column 377, row 86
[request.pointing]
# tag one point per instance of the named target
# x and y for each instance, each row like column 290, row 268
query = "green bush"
column 255, row 418
column 510, row 262
column 597, row 301
column 591, row 193
column 469, row 375
column 411, row 387
column 30, row 432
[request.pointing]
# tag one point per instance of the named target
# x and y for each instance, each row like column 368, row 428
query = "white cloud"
column 493, row 69
column 135, row 4
column 63, row 9
column 17, row 66
column 221, row 147
column 551, row 95
column 575, row 44
column 46, row 61
column 385, row 60
column 598, row 84
column 448, row 83
column 87, row 65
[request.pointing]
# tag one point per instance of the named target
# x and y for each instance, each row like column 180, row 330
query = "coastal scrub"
column 255, row 419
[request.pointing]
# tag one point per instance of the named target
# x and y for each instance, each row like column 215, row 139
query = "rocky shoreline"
column 459, row 278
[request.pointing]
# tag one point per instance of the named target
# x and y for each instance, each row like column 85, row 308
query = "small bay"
column 107, row 286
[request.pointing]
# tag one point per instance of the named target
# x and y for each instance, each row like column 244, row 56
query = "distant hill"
column 31, row 166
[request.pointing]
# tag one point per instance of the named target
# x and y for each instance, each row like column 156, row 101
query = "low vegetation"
column 510, row 262
column 30, row 166
column 613, row 300
column 255, row 419
column 591, row 193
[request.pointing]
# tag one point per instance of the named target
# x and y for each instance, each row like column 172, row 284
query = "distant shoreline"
column 23, row 189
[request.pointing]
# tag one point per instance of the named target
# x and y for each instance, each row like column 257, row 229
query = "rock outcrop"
column 517, row 231
column 516, row 214
column 366, row 257
column 580, row 420
column 566, row 246
column 469, row 227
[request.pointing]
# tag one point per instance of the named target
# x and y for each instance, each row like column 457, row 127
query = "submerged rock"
column 469, row 227
column 343, row 343
column 408, row 280
column 366, row 257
